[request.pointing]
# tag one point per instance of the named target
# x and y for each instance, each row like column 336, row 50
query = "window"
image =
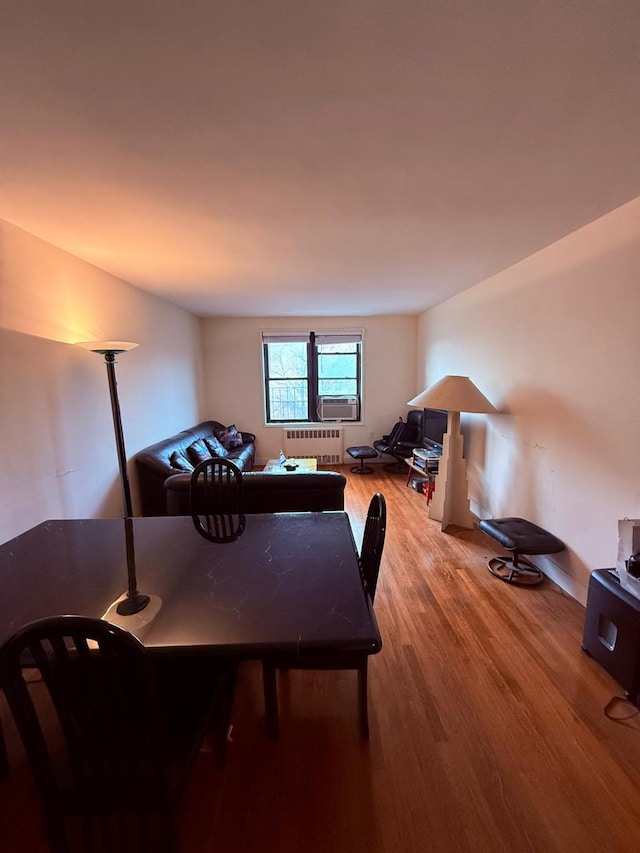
column 302, row 370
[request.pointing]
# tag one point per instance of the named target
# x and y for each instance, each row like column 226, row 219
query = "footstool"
column 362, row 452
column 520, row 537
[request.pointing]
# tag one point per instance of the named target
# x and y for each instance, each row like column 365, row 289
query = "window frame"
column 313, row 340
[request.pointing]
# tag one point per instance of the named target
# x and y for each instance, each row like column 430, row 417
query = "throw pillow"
column 215, row 448
column 198, row 451
column 177, row 460
column 230, row 437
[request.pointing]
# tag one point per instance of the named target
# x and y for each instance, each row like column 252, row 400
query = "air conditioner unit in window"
column 338, row 408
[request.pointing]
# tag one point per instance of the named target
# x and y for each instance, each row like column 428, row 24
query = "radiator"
column 321, row 443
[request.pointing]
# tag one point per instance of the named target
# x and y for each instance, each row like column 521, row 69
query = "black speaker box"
column 612, row 630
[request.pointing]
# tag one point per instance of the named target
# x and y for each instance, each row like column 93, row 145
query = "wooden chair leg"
column 270, row 699
column 363, row 699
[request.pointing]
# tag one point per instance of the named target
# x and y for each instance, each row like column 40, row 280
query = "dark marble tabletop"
column 290, row 581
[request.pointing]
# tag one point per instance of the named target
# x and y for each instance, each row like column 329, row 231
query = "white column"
column 450, row 501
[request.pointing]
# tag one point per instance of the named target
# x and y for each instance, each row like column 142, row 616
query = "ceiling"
column 315, row 157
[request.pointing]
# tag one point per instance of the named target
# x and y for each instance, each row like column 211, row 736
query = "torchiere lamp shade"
column 454, row 394
column 104, row 347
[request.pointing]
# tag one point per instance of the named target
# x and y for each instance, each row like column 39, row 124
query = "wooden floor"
column 488, row 730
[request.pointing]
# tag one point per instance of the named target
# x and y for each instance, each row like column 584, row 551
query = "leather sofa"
column 164, row 477
column 179, row 455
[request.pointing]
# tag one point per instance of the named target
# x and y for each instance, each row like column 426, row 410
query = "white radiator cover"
column 325, row 444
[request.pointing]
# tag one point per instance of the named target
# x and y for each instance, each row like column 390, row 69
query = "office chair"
column 399, row 443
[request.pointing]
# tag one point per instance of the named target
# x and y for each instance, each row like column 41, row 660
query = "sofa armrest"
column 247, row 437
column 177, row 489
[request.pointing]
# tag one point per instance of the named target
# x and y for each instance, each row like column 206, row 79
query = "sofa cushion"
column 178, row 461
column 215, row 448
column 198, row 451
column 242, row 456
column 229, row 437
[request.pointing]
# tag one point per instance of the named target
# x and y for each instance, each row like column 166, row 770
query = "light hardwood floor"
column 488, row 730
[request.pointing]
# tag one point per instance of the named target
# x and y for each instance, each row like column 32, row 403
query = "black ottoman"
column 363, row 452
column 520, row 537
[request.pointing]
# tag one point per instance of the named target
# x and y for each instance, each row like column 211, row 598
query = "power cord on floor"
column 614, row 702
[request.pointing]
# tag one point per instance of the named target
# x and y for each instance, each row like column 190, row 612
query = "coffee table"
column 274, row 466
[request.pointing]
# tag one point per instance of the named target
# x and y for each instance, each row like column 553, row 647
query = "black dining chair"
column 369, row 562
column 110, row 732
column 375, row 529
column 216, row 500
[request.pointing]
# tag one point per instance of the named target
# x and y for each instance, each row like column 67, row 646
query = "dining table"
column 289, row 582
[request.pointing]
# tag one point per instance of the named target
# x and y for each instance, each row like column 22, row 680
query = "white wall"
column 56, row 429
column 233, row 368
column 554, row 343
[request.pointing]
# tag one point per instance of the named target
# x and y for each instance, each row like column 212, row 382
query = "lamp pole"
column 135, row 601
column 450, row 503
column 110, row 361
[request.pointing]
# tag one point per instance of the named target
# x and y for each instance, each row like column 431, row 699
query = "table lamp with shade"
column 454, row 394
column 134, row 601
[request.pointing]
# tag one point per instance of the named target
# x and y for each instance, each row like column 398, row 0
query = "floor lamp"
column 134, row 601
column 454, row 394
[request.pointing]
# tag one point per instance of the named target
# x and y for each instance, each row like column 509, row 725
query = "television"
column 434, row 426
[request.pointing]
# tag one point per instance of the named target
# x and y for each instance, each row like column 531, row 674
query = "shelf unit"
column 426, row 467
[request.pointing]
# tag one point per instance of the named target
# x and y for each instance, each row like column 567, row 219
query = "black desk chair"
column 110, row 734
column 216, row 500
column 370, row 557
column 400, row 442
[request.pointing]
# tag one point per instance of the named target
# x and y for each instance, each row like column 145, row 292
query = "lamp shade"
column 104, row 347
column 454, row 394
